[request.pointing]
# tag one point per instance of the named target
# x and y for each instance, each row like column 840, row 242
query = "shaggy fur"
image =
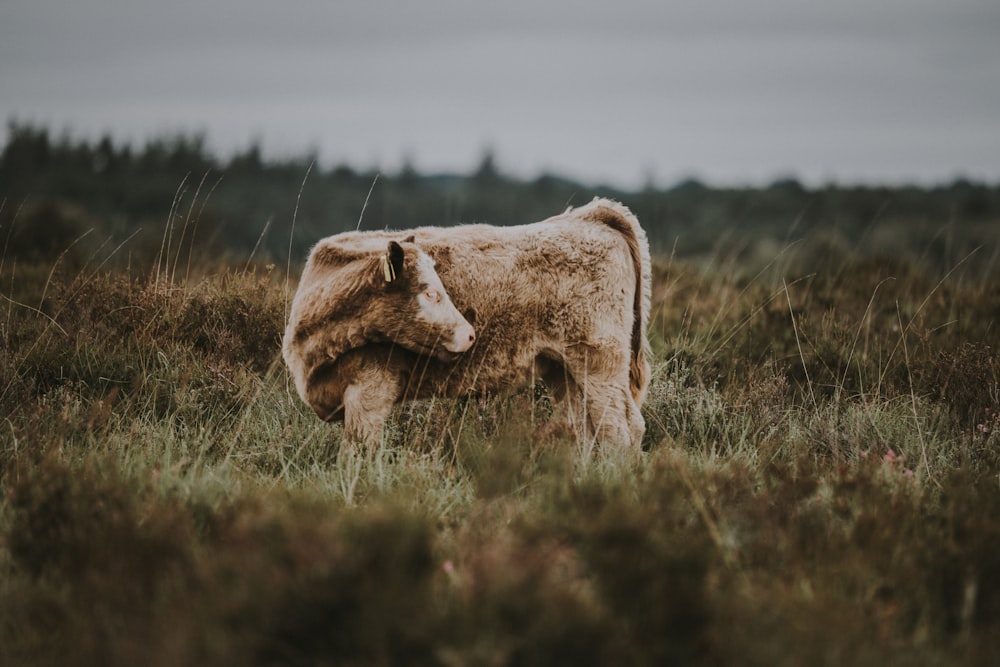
column 565, row 300
column 350, row 297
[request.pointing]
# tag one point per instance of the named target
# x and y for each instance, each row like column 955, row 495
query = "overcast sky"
column 615, row 91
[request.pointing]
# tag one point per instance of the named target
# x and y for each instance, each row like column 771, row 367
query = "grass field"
column 820, row 483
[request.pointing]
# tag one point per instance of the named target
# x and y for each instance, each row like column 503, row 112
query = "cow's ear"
column 392, row 262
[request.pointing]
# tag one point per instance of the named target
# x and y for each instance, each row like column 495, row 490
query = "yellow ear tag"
column 387, row 270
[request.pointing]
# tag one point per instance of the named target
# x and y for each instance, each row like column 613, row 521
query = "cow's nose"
column 464, row 338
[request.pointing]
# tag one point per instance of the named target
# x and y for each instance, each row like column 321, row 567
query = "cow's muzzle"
column 465, row 336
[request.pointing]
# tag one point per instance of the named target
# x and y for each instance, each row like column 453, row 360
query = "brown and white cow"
column 383, row 317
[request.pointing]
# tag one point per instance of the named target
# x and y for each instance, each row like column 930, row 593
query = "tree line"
column 54, row 189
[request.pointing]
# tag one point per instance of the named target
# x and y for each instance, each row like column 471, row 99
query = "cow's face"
column 422, row 317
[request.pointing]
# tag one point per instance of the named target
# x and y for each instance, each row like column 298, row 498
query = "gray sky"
column 731, row 91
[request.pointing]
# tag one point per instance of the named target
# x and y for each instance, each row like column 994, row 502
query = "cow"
column 382, row 317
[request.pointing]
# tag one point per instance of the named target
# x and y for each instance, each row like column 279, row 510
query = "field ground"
column 820, row 484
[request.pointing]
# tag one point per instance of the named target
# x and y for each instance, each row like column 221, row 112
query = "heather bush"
column 818, row 484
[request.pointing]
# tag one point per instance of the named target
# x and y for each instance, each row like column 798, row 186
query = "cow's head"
column 415, row 311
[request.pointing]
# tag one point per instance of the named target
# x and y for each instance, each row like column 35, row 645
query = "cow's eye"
column 432, row 295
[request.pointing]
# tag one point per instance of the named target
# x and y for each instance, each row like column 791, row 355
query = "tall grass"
column 820, row 483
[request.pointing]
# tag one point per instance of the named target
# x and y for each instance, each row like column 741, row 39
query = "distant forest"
column 58, row 192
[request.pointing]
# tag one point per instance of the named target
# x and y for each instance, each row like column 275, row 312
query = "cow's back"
column 534, row 291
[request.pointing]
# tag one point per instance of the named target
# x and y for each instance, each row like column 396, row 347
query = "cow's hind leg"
column 636, row 422
column 607, row 409
column 601, row 390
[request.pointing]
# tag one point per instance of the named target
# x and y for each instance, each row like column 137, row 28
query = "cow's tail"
column 618, row 217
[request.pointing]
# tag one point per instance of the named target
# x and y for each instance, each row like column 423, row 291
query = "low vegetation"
column 820, row 481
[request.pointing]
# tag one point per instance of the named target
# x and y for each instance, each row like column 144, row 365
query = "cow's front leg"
column 368, row 401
